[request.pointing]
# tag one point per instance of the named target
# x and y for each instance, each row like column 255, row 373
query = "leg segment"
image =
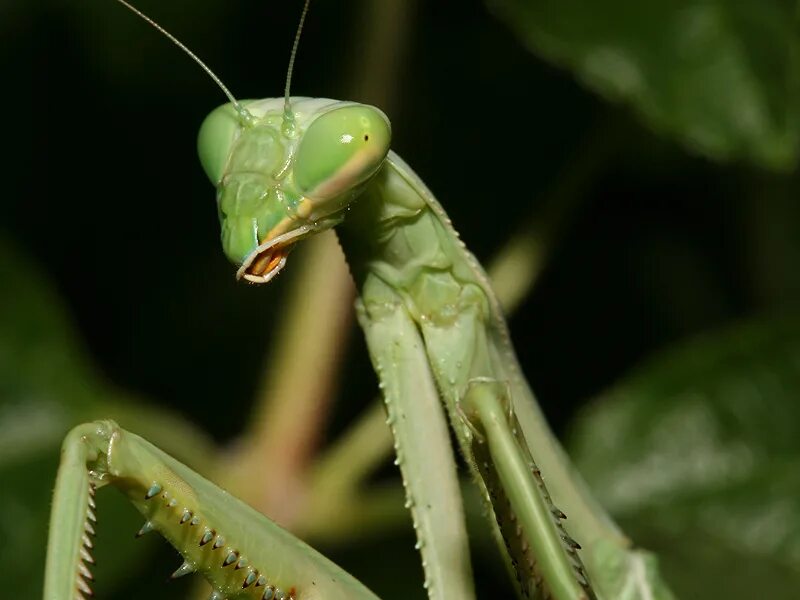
column 544, row 556
column 237, row 549
column 424, row 453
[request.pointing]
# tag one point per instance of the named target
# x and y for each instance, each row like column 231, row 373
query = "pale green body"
column 413, row 271
column 441, row 349
column 422, row 291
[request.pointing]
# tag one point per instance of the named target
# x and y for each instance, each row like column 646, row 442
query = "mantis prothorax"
column 286, row 169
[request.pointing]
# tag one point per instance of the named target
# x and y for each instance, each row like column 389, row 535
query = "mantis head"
column 283, row 174
column 286, row 171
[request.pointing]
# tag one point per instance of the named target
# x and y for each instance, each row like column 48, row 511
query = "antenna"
column 288, row 117
column 244, row 114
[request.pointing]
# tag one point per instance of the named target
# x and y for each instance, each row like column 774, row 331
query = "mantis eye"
column 214, row 141
column 341, row 149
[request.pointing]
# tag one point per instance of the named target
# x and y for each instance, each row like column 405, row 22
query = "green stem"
column 355, row 456
column 300, row 377
column 344, row 519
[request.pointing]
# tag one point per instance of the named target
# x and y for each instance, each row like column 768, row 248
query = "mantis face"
column 281, row 178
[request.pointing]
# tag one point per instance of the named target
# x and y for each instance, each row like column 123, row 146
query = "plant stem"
column 300, row 377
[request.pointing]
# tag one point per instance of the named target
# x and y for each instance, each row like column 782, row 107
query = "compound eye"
column 341, row 149
column 215, row 140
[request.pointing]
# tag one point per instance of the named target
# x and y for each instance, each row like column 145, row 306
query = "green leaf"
column 723, row 76
column 698, row 454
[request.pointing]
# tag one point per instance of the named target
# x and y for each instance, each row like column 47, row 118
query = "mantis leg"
column 413, row 259
column 68, row 574
column 537, row 544
column 237, row 549
column 422, row 442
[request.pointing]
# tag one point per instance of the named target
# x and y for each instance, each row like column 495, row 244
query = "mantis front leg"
column 530, row 523
column 238, row 550
column 422, row 444
column 543, row 555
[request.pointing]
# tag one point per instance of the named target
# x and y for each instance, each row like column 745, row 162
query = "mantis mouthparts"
column 269, row 257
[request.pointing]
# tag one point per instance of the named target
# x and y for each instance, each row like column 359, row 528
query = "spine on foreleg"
column 72, row 521
column 544, row 556
column 240, row 552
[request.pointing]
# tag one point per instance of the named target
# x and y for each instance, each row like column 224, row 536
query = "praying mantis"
column 289, row 168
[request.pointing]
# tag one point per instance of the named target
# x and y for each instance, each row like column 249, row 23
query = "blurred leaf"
column 47, row 385
column 721, row 75
column 45, row 379
column 698, row 454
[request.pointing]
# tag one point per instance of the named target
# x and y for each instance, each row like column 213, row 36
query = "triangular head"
column 281, row 180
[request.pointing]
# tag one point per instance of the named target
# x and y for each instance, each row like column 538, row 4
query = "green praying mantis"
column 286, row 169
